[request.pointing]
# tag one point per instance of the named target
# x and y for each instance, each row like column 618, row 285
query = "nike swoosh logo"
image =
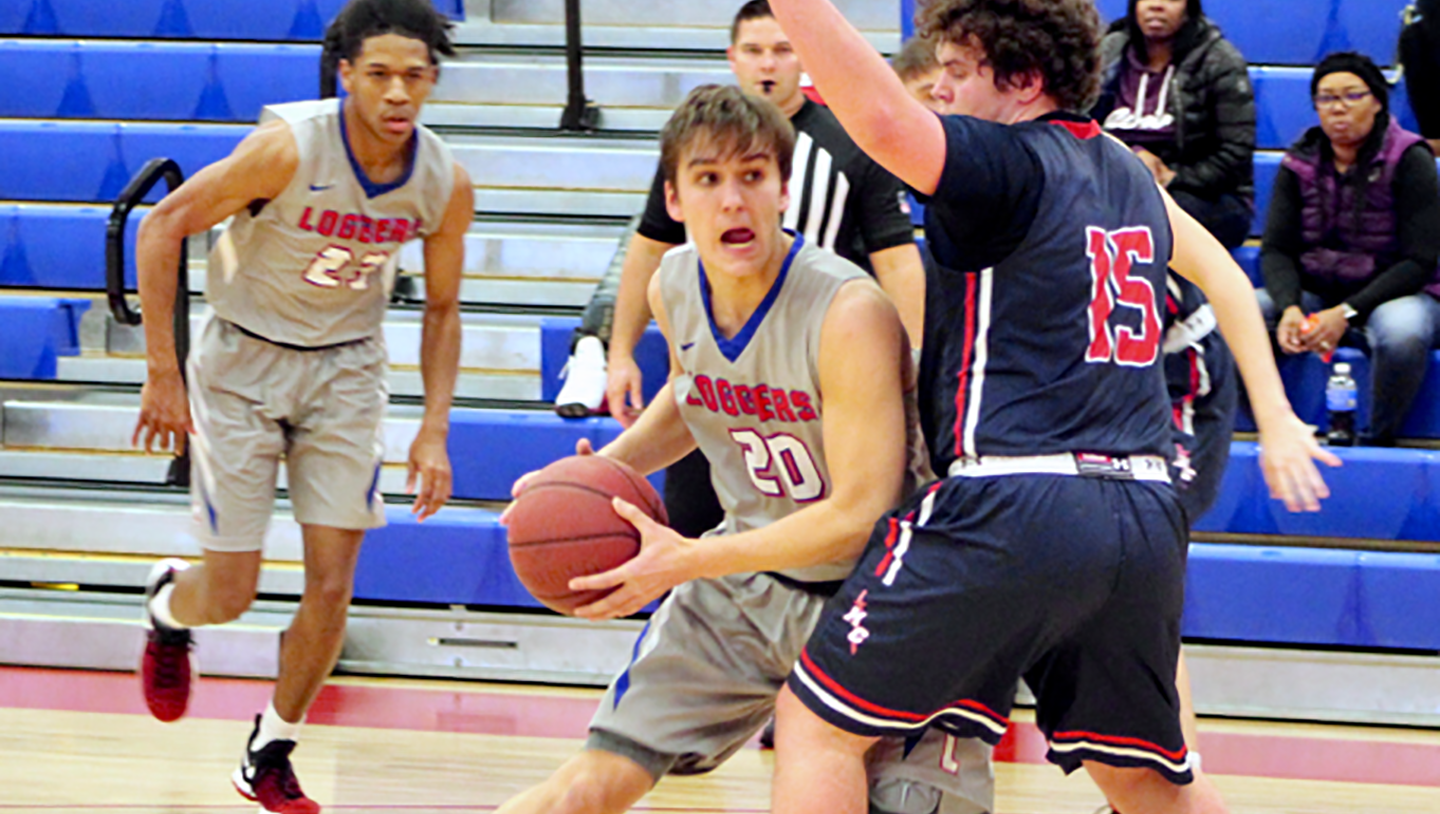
column 687, row 346
column 318, row 188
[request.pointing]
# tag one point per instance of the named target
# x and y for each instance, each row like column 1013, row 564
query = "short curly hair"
column 1057, row 39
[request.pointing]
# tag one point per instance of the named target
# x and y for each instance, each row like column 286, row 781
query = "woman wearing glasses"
column 1352, row 238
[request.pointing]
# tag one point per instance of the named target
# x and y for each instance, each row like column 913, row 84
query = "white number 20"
column 780, row 465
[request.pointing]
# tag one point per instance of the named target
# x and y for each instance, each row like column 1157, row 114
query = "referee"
column 840, row 200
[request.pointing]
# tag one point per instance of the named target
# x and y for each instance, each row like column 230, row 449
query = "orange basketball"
column 563, row 526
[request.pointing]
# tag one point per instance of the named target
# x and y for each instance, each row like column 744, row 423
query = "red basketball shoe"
column 266, row 777
column 168, row 666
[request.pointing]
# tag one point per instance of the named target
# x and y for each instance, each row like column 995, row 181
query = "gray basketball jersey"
column 753, row 401
column 315, row 265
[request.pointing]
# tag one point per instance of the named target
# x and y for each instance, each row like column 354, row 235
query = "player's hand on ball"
column 665, row 560
column 429, row 469
column 164, row 413
column 582, row 447
column 1288, row 451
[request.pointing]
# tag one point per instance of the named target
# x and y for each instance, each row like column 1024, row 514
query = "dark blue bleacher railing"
column 180, row 19
column 154, row 171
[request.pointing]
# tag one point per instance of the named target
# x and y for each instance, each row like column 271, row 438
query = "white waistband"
column 1085, row 464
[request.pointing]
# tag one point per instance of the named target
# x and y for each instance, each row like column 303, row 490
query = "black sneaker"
column 266, row 777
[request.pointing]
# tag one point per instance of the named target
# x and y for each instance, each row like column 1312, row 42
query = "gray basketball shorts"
column 704, row 677
column 253, row 402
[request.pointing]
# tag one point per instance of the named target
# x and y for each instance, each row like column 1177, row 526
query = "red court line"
column 439, row 710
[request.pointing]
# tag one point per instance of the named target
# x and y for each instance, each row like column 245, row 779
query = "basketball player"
column 1055, row 549
column 292, row 361
column 789, row 369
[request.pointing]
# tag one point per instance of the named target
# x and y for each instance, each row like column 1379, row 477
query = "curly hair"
column 362, row 19
column 1057, row 39
column 736, row 123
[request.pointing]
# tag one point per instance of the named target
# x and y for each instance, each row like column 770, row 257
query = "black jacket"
column 1420, row 54
column 1213, row 105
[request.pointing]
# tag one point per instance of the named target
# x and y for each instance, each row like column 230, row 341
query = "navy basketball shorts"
column 1074, row 583
column 1211, row 420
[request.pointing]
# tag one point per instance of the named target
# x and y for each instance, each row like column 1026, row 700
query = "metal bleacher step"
column 104, row 631
column 486, row 89
column 641, row 24
column 500, row 356
column 83, row 434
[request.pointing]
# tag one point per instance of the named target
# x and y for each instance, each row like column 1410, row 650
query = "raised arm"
column 259, row 169
column 865, row 94
column 440, row 348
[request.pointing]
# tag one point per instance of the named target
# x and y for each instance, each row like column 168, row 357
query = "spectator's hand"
column 625, row 380
column 1329, row 326
column 582, row 447
column 1163, row 174
column 1290, row 332
column 1152, row 163
column 164, row 413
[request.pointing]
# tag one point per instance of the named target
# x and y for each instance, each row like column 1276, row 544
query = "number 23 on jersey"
column 336, row 266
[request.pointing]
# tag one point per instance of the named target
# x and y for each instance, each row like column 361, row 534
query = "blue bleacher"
column 1299, row 32
column 181, row 19
column 1305, row 376
column 158, row 81
column 55, row 247
column 38, row 330
column 92, row 161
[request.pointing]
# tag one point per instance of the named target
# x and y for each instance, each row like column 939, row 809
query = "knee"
column 1400, row 326
column 229, row 601
column 329, row 592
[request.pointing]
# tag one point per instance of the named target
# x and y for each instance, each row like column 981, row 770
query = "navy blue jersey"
column 1052, row 242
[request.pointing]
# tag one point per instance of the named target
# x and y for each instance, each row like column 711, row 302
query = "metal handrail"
column 131, row 197
column 581, row 115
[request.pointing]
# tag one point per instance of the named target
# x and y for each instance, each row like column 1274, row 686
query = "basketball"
column 563, row 526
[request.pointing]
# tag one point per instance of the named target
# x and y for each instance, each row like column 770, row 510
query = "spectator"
column 1176, row 91
column 1352, row 239
column 918, row 69
column 1420, row 57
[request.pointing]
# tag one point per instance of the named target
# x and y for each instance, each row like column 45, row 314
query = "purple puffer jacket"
column 1350, row 226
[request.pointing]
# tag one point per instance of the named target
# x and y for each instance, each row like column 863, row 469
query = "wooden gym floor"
column 73, row 741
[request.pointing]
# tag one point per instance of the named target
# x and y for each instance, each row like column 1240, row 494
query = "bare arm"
column 865, row 94
column 632, row 315
column 660, row 437
column 861, row 346
column 1288, row 445
column 259, row 169
column 440, row 348
column 901, row 273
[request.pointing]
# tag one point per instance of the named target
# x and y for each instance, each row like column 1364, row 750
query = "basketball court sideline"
column 78, row 741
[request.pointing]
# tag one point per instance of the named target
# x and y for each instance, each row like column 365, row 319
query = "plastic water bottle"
column 1340, row 400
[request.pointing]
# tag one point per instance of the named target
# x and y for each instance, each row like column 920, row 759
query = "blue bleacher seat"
column 59, row 246
column 195, row 19
column 36, row 331
column 652, row 354
column 1305, row 376
column 1308, row 596
column 154, row 80
column 454, row 558
column 1379, row 494
column 92, row 161
column 1299, row 32
column 1248, row 257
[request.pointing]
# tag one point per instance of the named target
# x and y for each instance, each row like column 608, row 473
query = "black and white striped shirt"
column 840, row 198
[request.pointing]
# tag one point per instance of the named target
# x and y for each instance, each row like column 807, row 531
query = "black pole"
column 580, row 115
column 133, row 194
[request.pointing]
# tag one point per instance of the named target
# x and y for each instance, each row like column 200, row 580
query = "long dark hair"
column 1184, row 38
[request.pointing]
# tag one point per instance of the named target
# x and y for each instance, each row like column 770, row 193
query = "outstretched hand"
column 582, row 447
column 666, row 559
column 1288, row 451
